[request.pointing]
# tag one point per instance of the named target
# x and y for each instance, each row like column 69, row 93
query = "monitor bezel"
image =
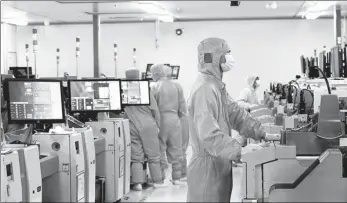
column 95, row 80
column 22, row 67
column 178, row 72
column 33, row 121
column 148, row 69
column 149, row 92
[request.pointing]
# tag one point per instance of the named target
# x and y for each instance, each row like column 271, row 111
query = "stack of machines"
column 69, row 150
column 308, row 159
column 302, row 164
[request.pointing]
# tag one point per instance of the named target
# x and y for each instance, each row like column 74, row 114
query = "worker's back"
column 166, row 94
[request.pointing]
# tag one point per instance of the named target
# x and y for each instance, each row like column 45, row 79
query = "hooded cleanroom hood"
column 132, row 74
column 158, row 71
column 210, row 51
column 250, row 81
column 168, row 71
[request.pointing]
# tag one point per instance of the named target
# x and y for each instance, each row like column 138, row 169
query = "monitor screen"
column 143, row 75
column 35, row 101
column 303, row 64
column 20, row 72
column 97, row 95
column 148, row 71
column 135, row 92
column 175, row 72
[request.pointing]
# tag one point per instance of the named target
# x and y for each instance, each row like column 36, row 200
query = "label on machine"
column 290, row 106
column 121, row 166
column 343, row 142
column 302, row 118
column 66, row 167
column 80, row 187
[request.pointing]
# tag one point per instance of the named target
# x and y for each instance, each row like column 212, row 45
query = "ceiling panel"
column 38, row 11
column 221, row 9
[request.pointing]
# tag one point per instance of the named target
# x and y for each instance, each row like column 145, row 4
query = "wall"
column 269, row 48
column 8, row 46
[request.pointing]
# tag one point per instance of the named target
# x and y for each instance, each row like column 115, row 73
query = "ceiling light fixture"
column 13, row 21
column 315, row 9
column 13, row 16
column 166, row 18
column 272, row 5
column 155, row 8
column 314, row 16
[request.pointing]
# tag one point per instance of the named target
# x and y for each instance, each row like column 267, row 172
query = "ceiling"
column 61, row 12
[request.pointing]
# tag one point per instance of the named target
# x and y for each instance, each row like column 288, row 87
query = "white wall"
column 269, row 48
column 8, row 46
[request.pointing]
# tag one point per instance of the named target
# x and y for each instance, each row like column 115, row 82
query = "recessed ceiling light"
column 178, row 9
column 273, row 5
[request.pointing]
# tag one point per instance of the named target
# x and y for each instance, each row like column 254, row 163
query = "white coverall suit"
column 184, row 126
column 248, row 96
column 171, row 103
column 144, row 129
column 212, row 115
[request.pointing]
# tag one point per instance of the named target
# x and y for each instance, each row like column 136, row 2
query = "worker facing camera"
column 248, row 97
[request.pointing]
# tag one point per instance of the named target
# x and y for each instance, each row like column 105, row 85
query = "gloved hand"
column 251, row 148
column 272, row 137
column 270, row 104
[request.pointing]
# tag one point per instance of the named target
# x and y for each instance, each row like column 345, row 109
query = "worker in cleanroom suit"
column 212, row 114
column 184, row 125
column 170, row 102
column 144, row 124
column 248, row 96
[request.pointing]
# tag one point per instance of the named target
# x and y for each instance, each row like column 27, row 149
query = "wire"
column 302, row 127
column 325, row 78
column 312, row 98
column 296, row 94
column 295, row 83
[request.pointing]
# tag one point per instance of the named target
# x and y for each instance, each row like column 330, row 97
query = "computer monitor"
column 148, row 71
column 135, row 92
column 21, row 72
column 336, row 62
column 35, row 101
column 143, row 75
column 175, row 72
column 95, row 95
column 303, row 64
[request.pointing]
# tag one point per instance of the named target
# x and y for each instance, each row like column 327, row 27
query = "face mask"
column 257, row 83
column 229, row 63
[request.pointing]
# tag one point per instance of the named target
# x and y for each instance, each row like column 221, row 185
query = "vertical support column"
column 337, row 24
column 96, row 44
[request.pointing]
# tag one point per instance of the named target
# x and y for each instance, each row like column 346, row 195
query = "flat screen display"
column 135, row 92
column 148, row 71
column 20, row 72
column 34, row 101
column 175, row 72
column 95, row 95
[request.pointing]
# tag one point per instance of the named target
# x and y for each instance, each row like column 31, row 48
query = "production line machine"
column 301, row 165
column 276, row 174
column 73, row 159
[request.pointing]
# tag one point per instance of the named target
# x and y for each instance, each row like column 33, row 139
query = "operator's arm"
column 182, row 105
column 205, row 110
column 243, row 122
column 243, row 100
column 154, row 108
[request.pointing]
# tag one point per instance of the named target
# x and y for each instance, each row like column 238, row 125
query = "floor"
column 178, row 193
